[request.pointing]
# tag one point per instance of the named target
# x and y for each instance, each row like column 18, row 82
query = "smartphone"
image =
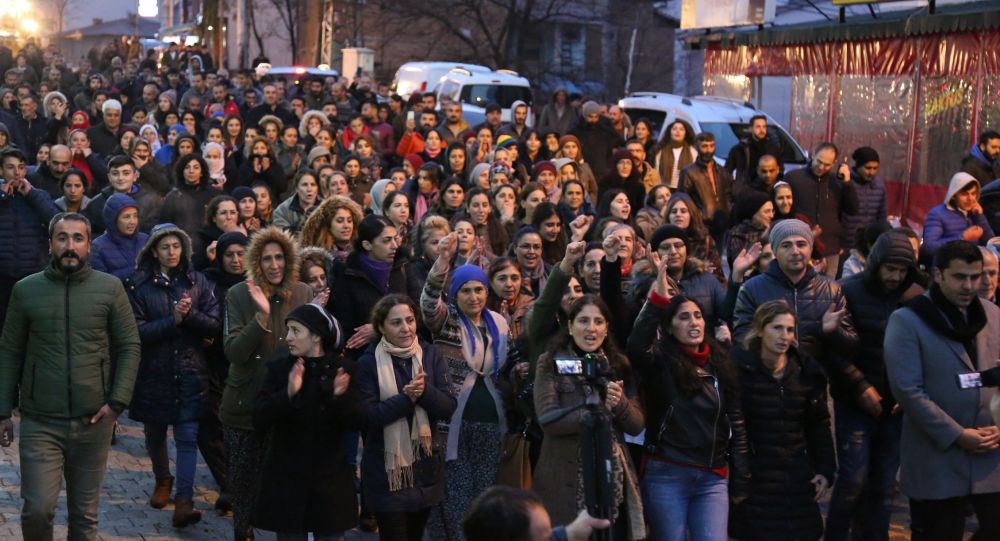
column 409, row 116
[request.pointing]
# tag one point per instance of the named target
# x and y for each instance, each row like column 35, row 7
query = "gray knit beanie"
column 789, row 228
column 590, row 108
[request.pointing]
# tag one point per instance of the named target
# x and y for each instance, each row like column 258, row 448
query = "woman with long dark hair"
column 676, row 151
column 396, row 207
column 558, row 474
column 371, row 271
column 547, row 220
column 492, row 236
column 185, row 204
column 456, row 162
column 682, row 212
column 696, row 443
column 451, row 200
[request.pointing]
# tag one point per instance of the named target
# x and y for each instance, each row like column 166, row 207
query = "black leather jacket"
column 704, row 430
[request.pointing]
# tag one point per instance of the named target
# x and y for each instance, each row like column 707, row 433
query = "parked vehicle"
column 425, row 76
column 475, row 89
column 727, row 119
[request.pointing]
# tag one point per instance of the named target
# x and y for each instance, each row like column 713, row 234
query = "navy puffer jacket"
column 172, row 384
column 811, row 297
column 24, row 221
column 871, row 207
column 113, row 252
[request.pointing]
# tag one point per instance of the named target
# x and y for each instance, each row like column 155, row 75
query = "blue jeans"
column 681, row 500
column 868, row 458
column 186, row 440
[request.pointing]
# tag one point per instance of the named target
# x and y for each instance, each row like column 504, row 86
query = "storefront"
column 918, row 88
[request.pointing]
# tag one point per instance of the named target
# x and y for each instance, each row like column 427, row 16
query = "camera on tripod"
column 596, row 435
column 594, row 369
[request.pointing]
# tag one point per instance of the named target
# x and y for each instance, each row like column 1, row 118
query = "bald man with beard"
column 49, row 174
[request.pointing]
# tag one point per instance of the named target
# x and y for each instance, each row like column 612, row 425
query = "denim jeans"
column 186, row 440
column 53, row 449
column 868, row 458
column 681, row 500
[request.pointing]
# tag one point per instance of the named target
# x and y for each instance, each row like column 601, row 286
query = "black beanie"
column 664, row 232
column 864, row 155
column 747, row 204
column 319, row 322
column 225, row 241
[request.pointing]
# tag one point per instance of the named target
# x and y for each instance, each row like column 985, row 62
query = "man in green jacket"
column 70, row 350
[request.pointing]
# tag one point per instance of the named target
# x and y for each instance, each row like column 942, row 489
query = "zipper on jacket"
column 718, row 414
column 69, row 375
column 666, row 420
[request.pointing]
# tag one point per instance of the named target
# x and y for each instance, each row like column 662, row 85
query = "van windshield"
column 728, row 135
column 654, row 117
column 505, row 95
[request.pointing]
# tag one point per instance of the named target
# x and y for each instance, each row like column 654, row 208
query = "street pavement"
column 126, row 514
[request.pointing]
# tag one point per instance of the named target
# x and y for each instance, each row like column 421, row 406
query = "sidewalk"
column 126, row 515
column 125, row 512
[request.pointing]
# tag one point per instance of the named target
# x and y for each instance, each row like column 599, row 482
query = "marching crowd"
column 361, row 311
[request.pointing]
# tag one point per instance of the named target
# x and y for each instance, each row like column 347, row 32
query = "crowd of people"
column 364, row 312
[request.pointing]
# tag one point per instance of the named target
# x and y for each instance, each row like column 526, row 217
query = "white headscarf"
column 216, row 166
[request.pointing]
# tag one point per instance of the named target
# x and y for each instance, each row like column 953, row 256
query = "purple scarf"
column 378, row 271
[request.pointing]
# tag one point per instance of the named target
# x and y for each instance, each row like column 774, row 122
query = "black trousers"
column 211, row 441
column 944, row 520
column 399, row 526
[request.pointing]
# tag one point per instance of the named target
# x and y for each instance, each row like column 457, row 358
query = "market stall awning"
column 889, row 24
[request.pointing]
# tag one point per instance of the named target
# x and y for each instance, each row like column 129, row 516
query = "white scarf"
column 403, row 444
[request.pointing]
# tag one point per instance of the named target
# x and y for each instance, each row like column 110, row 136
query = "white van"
column 727, row 119
column 424, row 76
column 476, row 89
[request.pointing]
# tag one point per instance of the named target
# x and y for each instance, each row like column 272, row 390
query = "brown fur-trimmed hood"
column 256, row 273
column 316, row 230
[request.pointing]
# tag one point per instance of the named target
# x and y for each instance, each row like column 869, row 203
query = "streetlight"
column 29, row 25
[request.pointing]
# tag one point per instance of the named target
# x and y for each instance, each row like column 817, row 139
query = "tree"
column 60, row 7
column 289, row 13
column 497, row 32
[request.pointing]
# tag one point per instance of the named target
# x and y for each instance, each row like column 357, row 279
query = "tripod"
column 595, row 456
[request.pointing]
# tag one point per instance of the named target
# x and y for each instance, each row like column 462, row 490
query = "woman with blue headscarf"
column 476, row 343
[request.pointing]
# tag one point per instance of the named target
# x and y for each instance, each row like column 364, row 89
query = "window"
column 654, row 117
column 480, row 95
column 571, row 48
column 728, row 135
